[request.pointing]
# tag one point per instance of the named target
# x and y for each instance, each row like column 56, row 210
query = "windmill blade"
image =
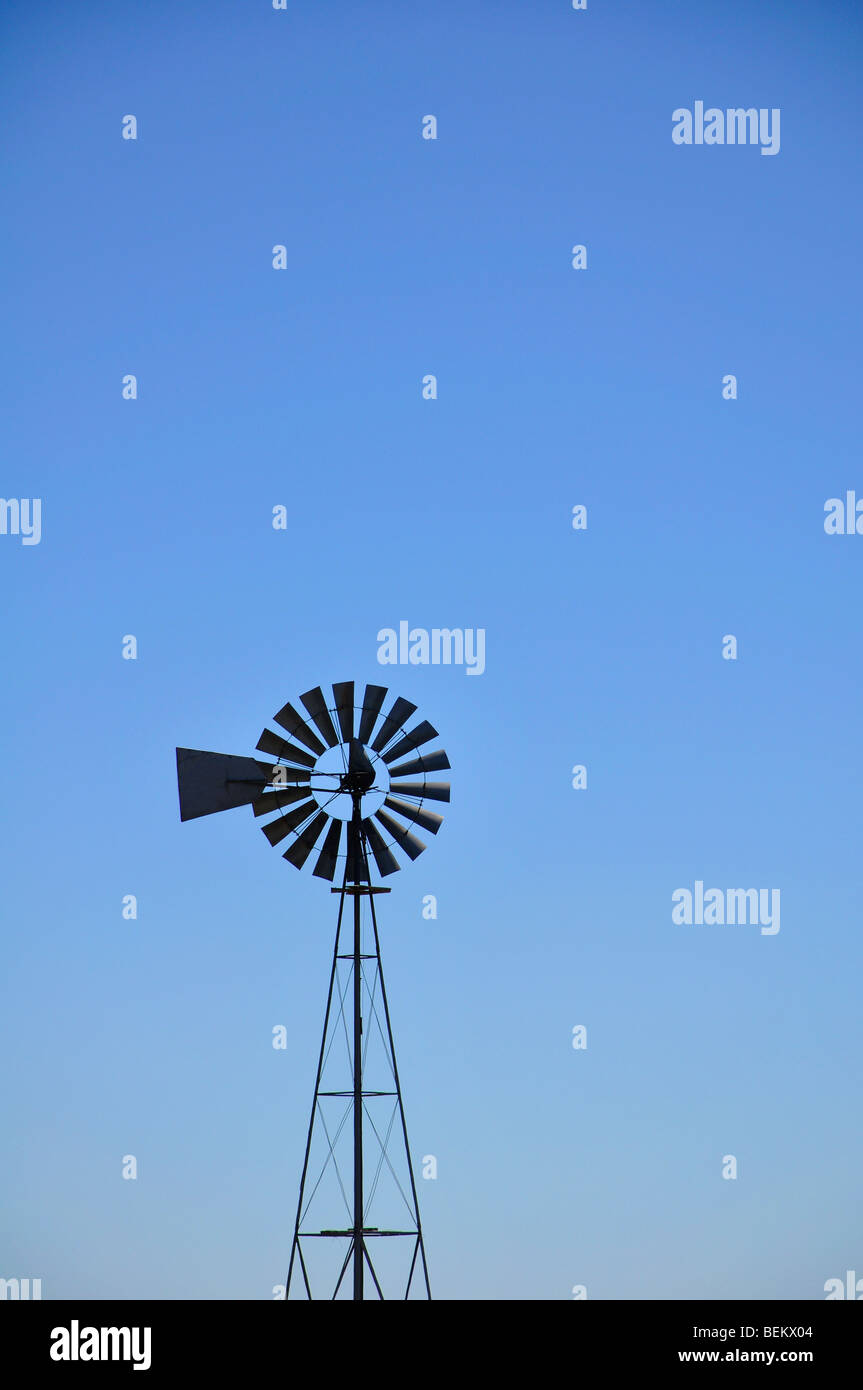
column 317, row 706
column 429, row 762
column 295, row 724
column 305, row 841
column 384, row 857
column 426, row 791
column 405, row 839
column 423, row 733
column 279, row 799
column 278, row 829
column 280, row 748
column 328, row 857
column 343, row 694
column 429, row 820
column 400, row 712
column 372, row 701
column 357, row 868
column 210, row 782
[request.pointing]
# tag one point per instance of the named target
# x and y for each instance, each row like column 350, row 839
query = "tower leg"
column 296, row 1252
column 420, row 1245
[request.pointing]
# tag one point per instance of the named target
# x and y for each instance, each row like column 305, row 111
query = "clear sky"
column 302, row 388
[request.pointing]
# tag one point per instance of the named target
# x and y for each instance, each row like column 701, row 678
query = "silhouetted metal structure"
column 347, row 759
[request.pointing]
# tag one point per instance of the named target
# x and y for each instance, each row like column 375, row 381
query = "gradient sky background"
column 303, row 387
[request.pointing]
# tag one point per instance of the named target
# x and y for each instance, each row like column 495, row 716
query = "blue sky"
column 556, row 387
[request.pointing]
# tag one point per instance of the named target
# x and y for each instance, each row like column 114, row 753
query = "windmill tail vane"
column 349, row 785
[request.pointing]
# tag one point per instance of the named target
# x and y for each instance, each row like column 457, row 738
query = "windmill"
column 354, row 782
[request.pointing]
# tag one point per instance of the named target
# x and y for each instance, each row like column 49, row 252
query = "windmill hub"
column 357, row 782
column 347, row 777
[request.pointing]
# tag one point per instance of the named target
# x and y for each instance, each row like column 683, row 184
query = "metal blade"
column 328, row 857
column 429, row 762
column 372, row 701
column 295, row 724
column 400, row 712
column 280, row 748
column 343, row 694
column 317, row 706
column 279, row 799
column 429, row 820
column 423, row 733
column 426, row 791
column 384, row 857
column 305, row 842
column 278, row 829
column 405, row 839
column 211, row 782
column 357, row 871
